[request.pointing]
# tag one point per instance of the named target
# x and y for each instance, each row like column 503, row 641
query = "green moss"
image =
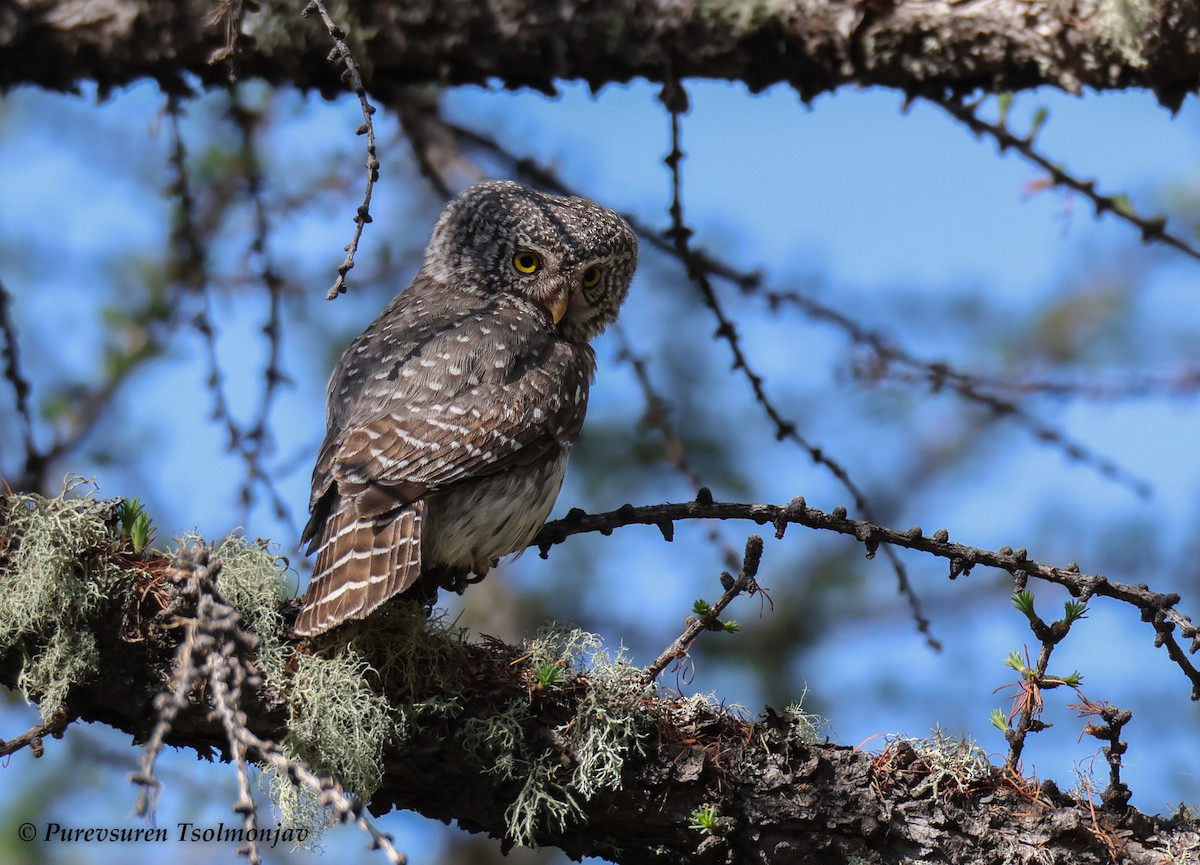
column 57, row 574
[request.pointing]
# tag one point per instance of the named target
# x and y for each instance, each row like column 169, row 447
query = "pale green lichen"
column 953, row 763
column 609, row 722
column 1125, row 25
column 339, row 725
column 742, row 16
column 543, row 803
column 252, row 581
column 57, row 574
column 341, row 721
column 804, row 728
column 498, row 738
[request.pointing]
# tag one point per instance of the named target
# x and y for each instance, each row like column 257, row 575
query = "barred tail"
column 361, row 563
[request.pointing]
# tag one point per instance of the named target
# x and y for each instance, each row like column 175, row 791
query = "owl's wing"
column 417, row 446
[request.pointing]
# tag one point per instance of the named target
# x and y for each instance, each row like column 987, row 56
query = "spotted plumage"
column 450, row 417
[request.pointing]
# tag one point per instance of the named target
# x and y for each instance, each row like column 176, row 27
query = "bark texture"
column 814, row 45
column 779, row 800
column 776, row 797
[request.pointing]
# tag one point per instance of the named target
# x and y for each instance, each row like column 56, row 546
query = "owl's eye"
column 591, row 276
column 527, row 262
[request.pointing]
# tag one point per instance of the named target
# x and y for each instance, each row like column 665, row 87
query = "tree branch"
column 814, row 45
column 768, row 793
column 1156, row 607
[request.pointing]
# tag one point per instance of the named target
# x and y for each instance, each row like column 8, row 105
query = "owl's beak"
column 558, row 303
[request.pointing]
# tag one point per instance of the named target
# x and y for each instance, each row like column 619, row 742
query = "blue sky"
column 902, row 219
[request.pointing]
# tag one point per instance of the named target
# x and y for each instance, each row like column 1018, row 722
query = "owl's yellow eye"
column 591, row 276
column 527, row 262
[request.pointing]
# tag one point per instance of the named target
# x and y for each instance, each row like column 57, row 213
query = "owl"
column 450, row 417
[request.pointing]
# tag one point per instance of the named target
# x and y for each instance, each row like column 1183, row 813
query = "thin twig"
column 1142, row 384
column 10, row 354
column 1117, row 795
column 785, row 429
column 1157, row 608
column 658, row 416
column 413, row 125
column 1152, row 229
column 710, row 620
column 941, row 376
column 216, row 652
column 189, row 266
column 341, row 52
column 34, row 736
column 255, row 441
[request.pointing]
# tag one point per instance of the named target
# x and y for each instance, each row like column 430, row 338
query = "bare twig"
column 939, row 375
column 415, row 125
column 680, row 234
column 330, row 793
column 1152, row 229
column 1157, row 608
column 34, row 736
column 191, row 272
column 10, row 354
column 255, row 441
column 1139, row 385
column 1117, row 795
column 708, row 619
column 658, row 416
column 341, row 53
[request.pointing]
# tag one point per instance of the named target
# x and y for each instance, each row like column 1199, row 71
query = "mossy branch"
column 594, row 761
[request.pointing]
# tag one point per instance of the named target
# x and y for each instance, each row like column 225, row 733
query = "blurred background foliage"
column 167, row 262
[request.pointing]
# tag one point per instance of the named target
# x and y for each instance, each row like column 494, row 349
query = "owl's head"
column 568, row 258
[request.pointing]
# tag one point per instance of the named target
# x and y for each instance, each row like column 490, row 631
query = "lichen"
column 499, row 739
column 609, row 722
column 57, row 573
column 953, row 763
column 251, row 580
column 804, row 728
column 543, row 803
column 371, row 688
column 339, row 725
column 1125, row 25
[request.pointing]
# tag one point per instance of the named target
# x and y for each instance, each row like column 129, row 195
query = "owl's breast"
column 493, row 515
